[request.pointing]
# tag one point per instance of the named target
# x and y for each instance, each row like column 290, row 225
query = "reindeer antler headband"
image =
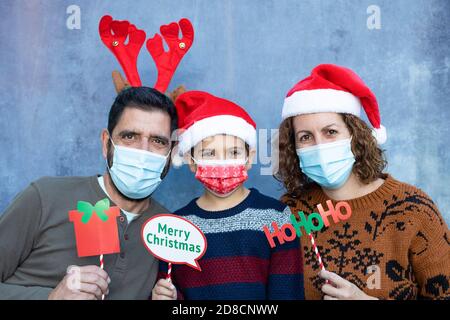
column 114, row 34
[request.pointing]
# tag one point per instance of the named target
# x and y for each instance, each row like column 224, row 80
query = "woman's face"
column 318, row 128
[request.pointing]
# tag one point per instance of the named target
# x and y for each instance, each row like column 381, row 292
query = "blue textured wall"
column 56, row 89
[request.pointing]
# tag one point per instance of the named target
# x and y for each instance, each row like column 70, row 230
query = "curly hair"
column 369, row 164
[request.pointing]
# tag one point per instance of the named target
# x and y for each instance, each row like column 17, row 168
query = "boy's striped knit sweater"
column 396, row 244
column 239, row 263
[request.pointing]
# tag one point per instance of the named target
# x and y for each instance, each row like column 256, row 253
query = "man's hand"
column 340, row 289
column 82, row 283
column 164, row 290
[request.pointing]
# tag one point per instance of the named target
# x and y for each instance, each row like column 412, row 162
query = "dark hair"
column 143, row 98
column 369, row 164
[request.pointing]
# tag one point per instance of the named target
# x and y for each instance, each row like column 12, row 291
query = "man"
column 38, row 255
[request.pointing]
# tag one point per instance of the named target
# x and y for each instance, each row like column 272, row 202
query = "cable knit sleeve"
column 430, row 251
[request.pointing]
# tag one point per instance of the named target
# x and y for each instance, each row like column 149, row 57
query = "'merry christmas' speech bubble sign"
column 174, row 239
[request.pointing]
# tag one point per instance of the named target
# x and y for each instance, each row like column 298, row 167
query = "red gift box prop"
column 95, row 227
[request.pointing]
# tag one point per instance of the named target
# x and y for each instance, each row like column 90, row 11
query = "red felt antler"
column 114, row 33
column 167, row 62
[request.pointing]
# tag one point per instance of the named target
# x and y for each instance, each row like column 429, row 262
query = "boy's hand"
column 164, row 290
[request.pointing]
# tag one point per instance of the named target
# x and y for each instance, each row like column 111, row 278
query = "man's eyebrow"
column 127, row 132
column 134, row 132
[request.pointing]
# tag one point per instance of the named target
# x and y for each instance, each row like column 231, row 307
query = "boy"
column 218, row 140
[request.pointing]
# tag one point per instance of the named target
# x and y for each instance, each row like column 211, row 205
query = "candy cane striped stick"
column 316, row 251
column 102, row 267
column 169, row 273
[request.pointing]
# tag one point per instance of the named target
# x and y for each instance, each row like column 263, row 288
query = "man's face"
column 139, row 129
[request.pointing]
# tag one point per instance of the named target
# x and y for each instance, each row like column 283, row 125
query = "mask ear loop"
column 168, row 153
column 112, row 142
column 110, row 138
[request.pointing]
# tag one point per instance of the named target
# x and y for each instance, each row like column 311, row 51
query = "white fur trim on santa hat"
column 223, row 124
column 321, row 100
column 380, row 134
column 176, row 159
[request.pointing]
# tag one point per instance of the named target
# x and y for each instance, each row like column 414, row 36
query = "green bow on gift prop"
column 87, row 209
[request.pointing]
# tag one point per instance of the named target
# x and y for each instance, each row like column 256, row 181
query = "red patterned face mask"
column 221, row 176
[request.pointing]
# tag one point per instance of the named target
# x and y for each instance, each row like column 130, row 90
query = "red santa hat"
column 331, row 88
column 202, row 115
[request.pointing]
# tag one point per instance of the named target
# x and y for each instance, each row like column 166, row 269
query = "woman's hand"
column 338, row 288
column 164, row 290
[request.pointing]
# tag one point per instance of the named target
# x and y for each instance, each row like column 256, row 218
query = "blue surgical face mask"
column 136, row 173
column 328, row 164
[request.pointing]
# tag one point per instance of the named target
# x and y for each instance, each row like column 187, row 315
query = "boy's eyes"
column 235, row 153
column 232, row 154
column 207, row 153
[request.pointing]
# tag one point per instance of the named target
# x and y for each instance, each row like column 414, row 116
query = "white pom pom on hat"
column 177, row 160
column 380, row 134
column 332, row 88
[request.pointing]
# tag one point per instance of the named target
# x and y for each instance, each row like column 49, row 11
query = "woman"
column 396, row 244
